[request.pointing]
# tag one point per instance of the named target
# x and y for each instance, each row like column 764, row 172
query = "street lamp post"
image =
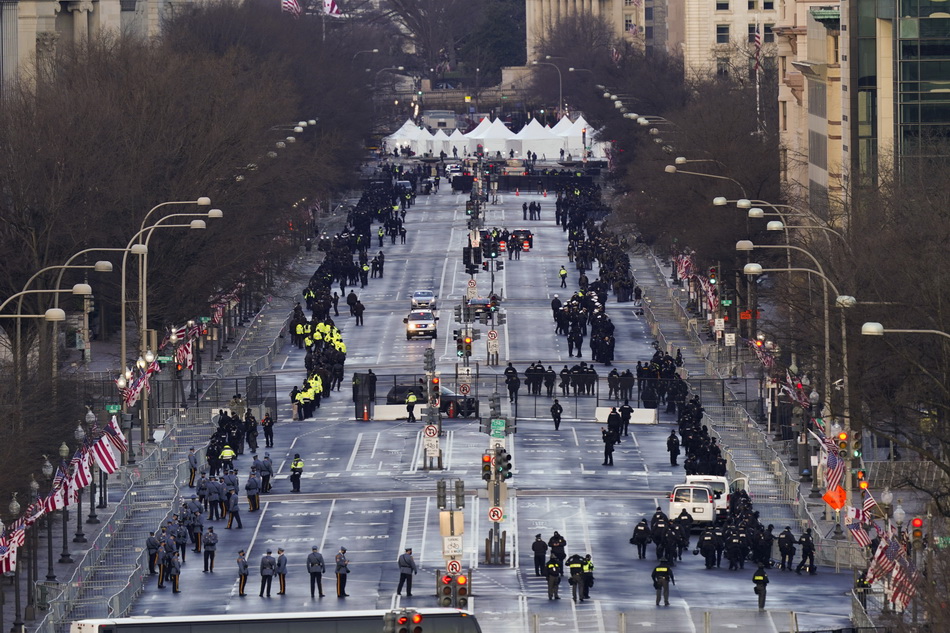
column 47, row 470
column 673, row 169
column 93, row 518
column 64, row 557
column 876, row 329
column 30, row 612
column 79, row 537
column 14, row 509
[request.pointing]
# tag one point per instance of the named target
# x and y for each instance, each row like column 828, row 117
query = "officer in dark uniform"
column 342, row 571
column 707, row 547
column 242, row 573
column 575, row 564
column 808, row 554
column 296, row 470
column 316, row 568
column 407, row 567
column 554, row 573
column 556, row 411
column 234, row 511
column 152, row 546
column 786, row 548
column 557, row 543
column 268, row 566
column 587, row 567
column 174, row 571
column 673, row 447
column 641, row 537
column 192, row 467
column 540, row 549
column 761, row 580
column 662, row 577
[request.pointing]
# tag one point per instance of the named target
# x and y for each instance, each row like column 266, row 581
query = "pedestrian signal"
column 486, row 467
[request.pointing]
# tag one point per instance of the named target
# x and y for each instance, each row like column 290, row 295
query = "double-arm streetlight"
column 358, row 53
column 382, row 70
column 673, row 169
column 872, row 328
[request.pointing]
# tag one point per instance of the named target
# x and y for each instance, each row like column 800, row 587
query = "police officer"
column 556, row 411
column 786, row 548
column 174, row 571
column 760, row 579
column 557, row 543
column 268, row 425
column 152, row 546
column 227, row 454
column 266, row 471
column 563, row 274
column 342, row 571
column 296, row 469
column 540, row 549
column 242, row 573
column 411, row 406
column 211, row 545
column 662, row 577
column 234, row 511
column 808, row 554
column 641, row 538
column 192, row 467
column 407, row 567
column 268, row 566
column 316, row 568
column 673, row 447
column 587, row 567
column 281, row 571
column 707, row 547
column 554, row 573
column 575, row 564
column 253, row 489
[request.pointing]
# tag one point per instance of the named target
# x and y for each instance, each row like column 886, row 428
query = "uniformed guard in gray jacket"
column 316, row 568
column 268, row 567
column 282, row 571
column 242, row 573
column 211, row 546
column 342, row 571
column 407, row 567
column 253, row 489
column 234, row 511
column 152, row 546
column 267, row 471
column 192, row 467
column 174, row 571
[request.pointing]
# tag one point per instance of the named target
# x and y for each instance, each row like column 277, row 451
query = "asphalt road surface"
column 365, row 487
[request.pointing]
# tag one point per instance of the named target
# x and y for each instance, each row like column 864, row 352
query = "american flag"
column 858, row 532
column 903, row 585
column 82, row 474
column 291, row 6
column 888, row 551
column 834, row 470
column 113, row 432
column 757, row 46
column 869, row 505
column 218, row 315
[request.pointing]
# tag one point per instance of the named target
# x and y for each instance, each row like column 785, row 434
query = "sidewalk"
column 103, row 568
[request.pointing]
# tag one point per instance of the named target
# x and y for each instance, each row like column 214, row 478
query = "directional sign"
column 453, row 567
column 472, row 283
column 493, row 346
column 431, row 445
column 492, row 335
column 431, row 430
column 452, row 546
column 465, row 373
column 730, row 339
column 113, row 408
column 498, row 428
column 496, row 514
column 471, row 292
column 465, row 388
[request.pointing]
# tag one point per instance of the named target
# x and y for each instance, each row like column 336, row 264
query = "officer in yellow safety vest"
column 587, row 567
column 302, row 404
column 380, row 233
column 296, row 469
column 411, row 406
column 662, row 577
column 227, row 454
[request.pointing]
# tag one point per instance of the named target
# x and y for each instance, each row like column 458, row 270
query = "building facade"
column 626, row 16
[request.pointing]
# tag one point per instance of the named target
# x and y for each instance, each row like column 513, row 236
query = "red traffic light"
column 462, row 580
column 435, row 380
column 403, row 619
column 486, row 459
column 447, row 579
column 843, row 436
column 917, row 522
column 416, row 618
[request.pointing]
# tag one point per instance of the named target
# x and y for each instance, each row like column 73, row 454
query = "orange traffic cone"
column 517, row 193
column 365, row 413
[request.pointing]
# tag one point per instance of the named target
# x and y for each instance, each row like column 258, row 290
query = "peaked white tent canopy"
column 422, row 143
column 457, row 143
column 493, row 138
column 440, row 143
column 537, row 139
column 402, row 136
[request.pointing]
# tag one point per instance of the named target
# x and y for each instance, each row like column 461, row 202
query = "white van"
column 696, row 499
column 722, row 489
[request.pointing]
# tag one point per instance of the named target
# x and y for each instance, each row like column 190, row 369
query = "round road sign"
column 495, row 514
column 465, row 388
column 492, row 335
column 472, row 283
column 453, row 567
column 431, row 430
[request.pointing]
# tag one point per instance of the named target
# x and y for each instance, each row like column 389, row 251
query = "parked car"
column 465, row 406
column 484, row 304
column 722, row 490
column 421, row 323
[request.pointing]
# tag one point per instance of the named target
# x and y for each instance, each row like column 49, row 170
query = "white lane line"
column 375, row 445
column 326, row 527
column 356, row 448
column 425, row 528
column 405, row 525
column 257, row 529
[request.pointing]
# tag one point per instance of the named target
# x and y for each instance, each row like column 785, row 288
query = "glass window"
column 768, row 5
column 648, row 13
column 768, row 35
column 753, row 5
column 722, row 5
column 751, row 34
column 648, row 32
column 722, row 66
column 682, row 495
column 722, row 34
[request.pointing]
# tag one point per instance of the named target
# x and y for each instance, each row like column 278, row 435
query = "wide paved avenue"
column 365, row 488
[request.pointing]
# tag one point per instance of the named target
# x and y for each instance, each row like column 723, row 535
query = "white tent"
column 493, row 138
column 422, row 143
column 457, row 144
column 440, row 143
column 562, row 126
column 402, row 136
column 537, row 139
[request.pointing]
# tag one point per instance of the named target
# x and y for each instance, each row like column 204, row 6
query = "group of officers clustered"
column 738, row 535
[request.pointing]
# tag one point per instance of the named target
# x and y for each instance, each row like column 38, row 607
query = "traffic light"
column 494, row 405
column 476, row 256
column 494, row 250
column 502, row 318
column 460, row 591
column 433, row 389
column 458, row 314
column 440, row 497
column 486, row 467
column 862, row 479
column 460, row 346
column 713, row 275
column 856, row 444
column 486, row 248
column 178, row 369
column 479, row 150
column 459, row 494
column 483, row 317
column 503, row 464
column 445, row 590
column 467, row 255
column 468, row 345
column 409, row 622
column 485, row 266
column 429, row 359
column 917, row 530
column 499, row 265
column 842, row 444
